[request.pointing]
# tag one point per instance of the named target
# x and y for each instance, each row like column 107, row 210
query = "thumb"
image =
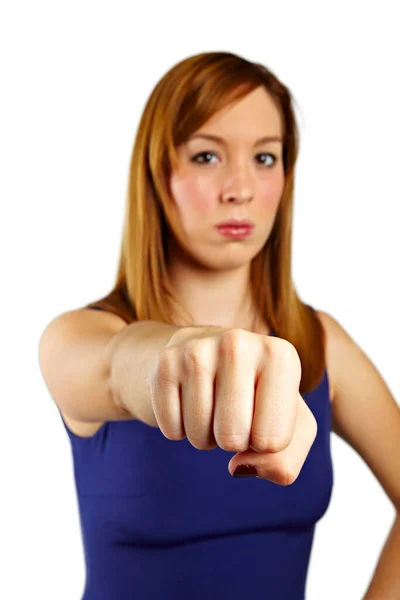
column 268, row 464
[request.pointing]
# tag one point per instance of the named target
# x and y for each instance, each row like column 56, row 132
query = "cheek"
column 270, row 191
column 194, row 195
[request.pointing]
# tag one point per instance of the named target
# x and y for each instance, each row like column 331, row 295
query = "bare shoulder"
column 343, row 356
column 331, row 328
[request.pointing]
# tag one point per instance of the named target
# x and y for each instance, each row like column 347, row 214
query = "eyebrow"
column 216, row 138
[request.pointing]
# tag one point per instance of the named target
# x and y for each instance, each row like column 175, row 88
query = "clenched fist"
column 237, row 390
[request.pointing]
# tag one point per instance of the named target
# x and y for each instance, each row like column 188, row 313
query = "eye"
column 269, row 154
column 208, row 153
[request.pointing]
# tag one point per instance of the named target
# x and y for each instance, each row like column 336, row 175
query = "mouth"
column 236, row 223
column 235, row 231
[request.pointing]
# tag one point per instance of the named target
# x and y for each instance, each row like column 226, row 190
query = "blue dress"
column 161, row 519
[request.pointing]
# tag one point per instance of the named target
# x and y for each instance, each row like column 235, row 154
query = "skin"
column 210, row 273
column 211, row 276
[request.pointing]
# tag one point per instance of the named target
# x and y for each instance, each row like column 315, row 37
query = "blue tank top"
column 162, row 519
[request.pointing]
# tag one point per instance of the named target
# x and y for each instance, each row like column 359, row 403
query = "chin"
column 224, row 263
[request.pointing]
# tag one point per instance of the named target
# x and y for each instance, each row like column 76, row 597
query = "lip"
column 236, row 223
column 235, row 232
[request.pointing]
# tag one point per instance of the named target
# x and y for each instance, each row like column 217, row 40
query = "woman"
column 204, row 340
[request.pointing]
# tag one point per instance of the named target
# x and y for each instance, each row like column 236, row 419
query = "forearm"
column 130, row 355
column 385, row 584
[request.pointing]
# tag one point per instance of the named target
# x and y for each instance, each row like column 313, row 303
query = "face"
column 233, row 178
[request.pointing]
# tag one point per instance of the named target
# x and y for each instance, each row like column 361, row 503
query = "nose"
column 238, row 188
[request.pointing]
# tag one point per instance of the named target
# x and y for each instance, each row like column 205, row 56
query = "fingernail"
column 245, row 471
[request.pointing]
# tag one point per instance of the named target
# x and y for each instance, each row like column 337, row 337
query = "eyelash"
column 193, row 159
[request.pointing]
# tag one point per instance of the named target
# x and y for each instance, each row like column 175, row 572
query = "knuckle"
column 163, row 366
column 284, row 352
column 295, row 359
column 201, row 443
column 232, row 442
column 196, row 355
column 282, row 349
column 264, row 443
column 293, row 355
column 196, row 441
column 234, row 341
column 173, row 435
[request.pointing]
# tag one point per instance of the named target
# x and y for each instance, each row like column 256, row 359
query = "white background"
column 75, row 77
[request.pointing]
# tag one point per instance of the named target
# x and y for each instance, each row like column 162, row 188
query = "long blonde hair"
column 182, row 101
